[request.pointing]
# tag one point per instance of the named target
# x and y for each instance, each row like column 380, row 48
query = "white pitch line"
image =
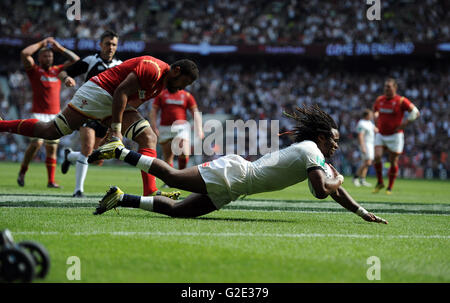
column 201, row 234
column 318, row 211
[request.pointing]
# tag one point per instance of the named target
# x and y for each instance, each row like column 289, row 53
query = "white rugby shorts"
column 93, row 102
column 370, row 152
column 394, row 142
column 169, row 132
column 225, row 178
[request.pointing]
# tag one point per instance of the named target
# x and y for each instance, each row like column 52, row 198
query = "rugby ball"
column 328, row 173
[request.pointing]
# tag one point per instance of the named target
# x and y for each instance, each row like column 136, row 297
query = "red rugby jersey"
column 174, row 105
column 391, row 112
column 46, row 89
column 148, row 70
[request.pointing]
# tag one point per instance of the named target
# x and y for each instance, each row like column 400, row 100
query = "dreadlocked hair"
column 311, row 122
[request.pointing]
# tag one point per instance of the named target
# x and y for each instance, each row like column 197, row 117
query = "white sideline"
column 200, row 234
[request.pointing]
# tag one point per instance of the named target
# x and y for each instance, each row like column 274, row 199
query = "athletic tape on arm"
column 413, row 114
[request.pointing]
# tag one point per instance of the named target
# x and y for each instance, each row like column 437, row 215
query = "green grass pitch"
column 285, row 236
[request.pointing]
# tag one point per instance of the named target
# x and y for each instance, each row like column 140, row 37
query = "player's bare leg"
column 393, row 170
column 30, row 152
column 187, row 179
column 193, row 206
column 361, row 173
column 379, row 168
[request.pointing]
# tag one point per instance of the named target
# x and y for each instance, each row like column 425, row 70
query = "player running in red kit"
column 389, row 110
column 174, row 128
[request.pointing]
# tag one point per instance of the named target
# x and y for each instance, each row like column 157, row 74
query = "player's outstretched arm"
column 342, row 197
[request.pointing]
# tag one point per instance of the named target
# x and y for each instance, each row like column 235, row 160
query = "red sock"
column 51, row 167
column 379, row 172
column 182, row 162
column 393, row 170
column 22, row 127
column 148, row 181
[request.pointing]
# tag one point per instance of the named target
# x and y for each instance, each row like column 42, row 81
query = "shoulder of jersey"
column 117, row 61
column 53, row 70
column 90, row 58
column 307, row 144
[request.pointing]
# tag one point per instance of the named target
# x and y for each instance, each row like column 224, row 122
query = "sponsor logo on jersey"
column 386, row 110
column 173, row 101
column 49, row 79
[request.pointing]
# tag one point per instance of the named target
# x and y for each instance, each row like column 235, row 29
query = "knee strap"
column 136, row 129
column 52, row 142
column 62, row 126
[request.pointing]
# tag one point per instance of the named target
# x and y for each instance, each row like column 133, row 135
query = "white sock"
column 146, row 203
column 73, row 157
column 82, row 168
column 144, row 163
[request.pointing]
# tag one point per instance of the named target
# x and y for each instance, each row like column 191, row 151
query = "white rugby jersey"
column 283, row 168
column 368, row 128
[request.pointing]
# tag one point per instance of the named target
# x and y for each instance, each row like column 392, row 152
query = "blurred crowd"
column 265, row 91
column 232, row 21
column 262, row 91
